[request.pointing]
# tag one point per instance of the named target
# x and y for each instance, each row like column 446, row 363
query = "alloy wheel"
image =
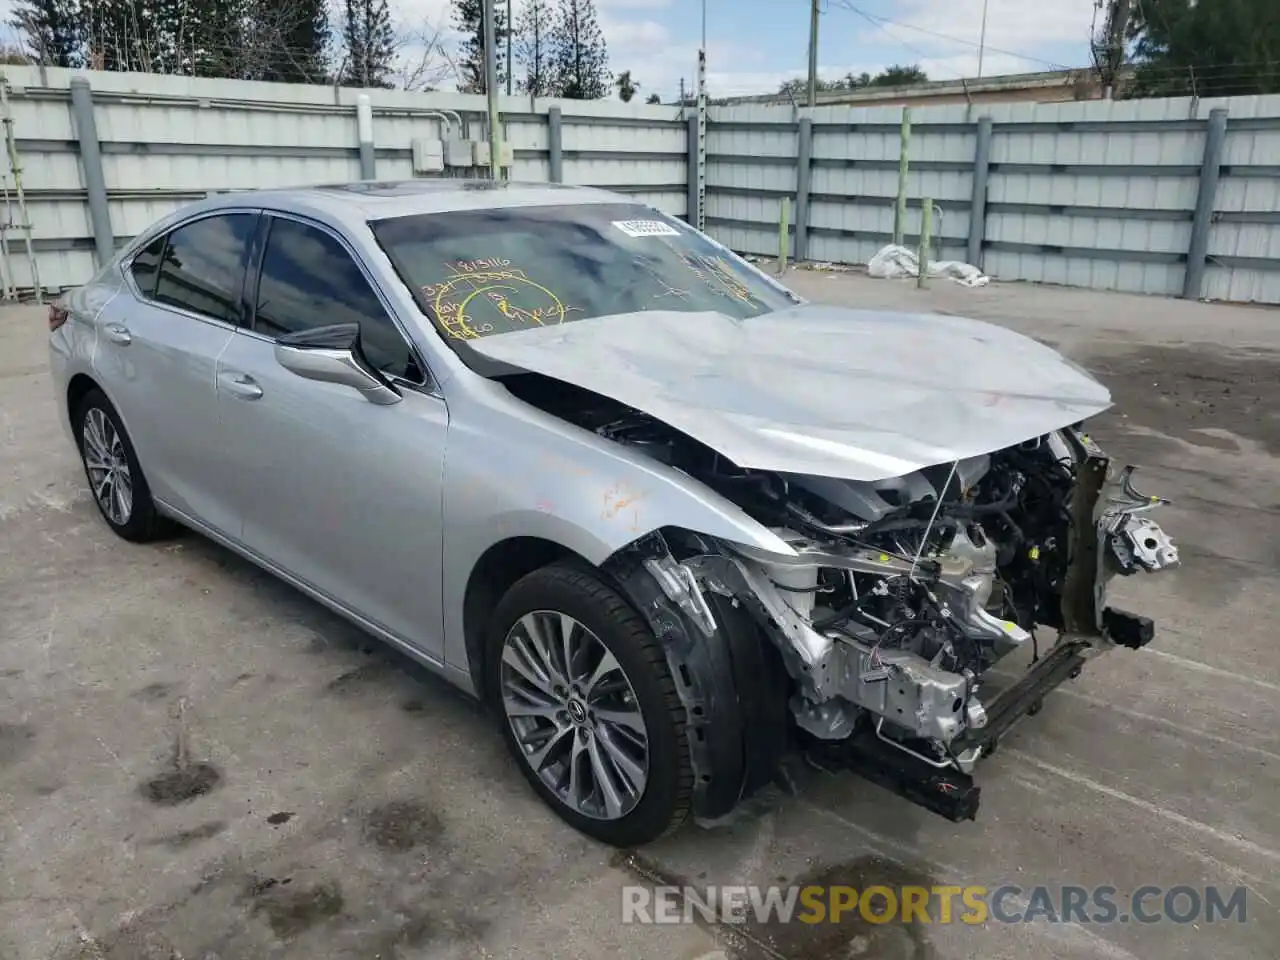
column 108, row 466
column 575, row 715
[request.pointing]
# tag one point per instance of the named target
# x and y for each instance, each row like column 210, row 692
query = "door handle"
column 118, row 333
column 240, row 385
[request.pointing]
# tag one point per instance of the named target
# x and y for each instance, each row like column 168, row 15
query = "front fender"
column 513, row 471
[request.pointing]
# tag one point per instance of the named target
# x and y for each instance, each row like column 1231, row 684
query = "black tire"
column 583, row 595
column 143, row 523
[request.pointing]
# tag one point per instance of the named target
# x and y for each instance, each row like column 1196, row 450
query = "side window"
column 146, row 266
column 309, row 280
column 203, row 266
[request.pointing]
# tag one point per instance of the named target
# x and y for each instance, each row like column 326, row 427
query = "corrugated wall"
column 1096, row 194
column 752, row 153
column 1246, row 226
column 855, row 180
column 751, row 166
column 166, row 141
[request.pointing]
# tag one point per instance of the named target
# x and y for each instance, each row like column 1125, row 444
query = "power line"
column 879, row 21
column 885, row 30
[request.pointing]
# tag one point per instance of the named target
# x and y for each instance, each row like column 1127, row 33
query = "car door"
column 342, row 493
column 157, row 355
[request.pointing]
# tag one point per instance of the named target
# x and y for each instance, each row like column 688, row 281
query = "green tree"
column 370, row 43
column 302, row 28
column 121, row 34
column 627, row 88
column 209, row 38
column 532, row 47
column 579, row 56
column 251, row 39
column 898, row 76
column 51, row 31
column 1210, row 48
column 194, row 38
column 653, row 98
column 889, row 77
column 468, row 17
column 799, row 86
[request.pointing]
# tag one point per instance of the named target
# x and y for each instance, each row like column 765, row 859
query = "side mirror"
column 332, row 355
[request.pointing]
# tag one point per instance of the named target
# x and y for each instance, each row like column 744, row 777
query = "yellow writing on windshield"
column 504, row 289
column 720, row 278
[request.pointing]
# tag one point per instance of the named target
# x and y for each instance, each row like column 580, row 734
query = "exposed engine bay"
column 905, row 592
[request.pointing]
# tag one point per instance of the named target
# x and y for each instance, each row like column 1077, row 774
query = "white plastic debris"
column 897, row 263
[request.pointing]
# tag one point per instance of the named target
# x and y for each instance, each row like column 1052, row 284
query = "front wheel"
column 588, row 707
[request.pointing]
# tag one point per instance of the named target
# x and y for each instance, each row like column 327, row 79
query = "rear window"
column 204, row 263
column 146, row 266
column 482, row 273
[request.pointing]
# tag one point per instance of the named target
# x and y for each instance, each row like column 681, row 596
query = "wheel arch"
column 492, row 575
column 733, row 683
column 78, row 387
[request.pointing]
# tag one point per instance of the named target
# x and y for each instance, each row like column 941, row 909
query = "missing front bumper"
column 947, row 790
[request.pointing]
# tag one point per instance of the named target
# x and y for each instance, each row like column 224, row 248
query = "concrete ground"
column 350, row 805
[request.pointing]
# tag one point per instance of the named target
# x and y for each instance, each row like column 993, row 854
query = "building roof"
column 1051, row 84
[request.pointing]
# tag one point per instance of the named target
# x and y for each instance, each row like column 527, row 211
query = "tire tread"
column 588, row 583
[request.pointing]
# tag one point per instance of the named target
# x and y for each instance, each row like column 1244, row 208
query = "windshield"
column 481, row 273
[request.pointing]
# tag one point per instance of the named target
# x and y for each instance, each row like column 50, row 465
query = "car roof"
column 363, row 201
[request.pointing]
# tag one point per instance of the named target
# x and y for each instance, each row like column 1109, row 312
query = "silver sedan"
column 672, row 522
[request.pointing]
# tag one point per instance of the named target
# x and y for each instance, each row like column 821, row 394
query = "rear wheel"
column 588, row 707
column 115, row 478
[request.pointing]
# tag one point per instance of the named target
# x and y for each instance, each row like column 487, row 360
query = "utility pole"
column 1113, row 57
column 491, row 85
column 702, row 141
column 510, row 27
column 682, row 91
column 982, row 38
column 813, row 53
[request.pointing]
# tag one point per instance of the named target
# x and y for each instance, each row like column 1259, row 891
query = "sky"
column 753, row 45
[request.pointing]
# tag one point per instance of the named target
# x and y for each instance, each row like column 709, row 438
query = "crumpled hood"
column 855, row 394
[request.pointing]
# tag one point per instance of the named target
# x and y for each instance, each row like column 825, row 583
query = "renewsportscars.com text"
column 942, row 904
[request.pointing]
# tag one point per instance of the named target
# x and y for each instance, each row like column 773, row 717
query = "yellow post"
column 926, row 228
column 783, row 214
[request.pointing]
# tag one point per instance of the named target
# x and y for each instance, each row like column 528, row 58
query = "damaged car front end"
column 834, row 522
column 901, row 595
column 933, row 500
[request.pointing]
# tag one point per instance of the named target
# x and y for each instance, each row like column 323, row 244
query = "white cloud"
column 966, row 65
column 633, row 4
column 642, row 37
column 942, row 36
column 1021, row 35
column 945, row 30
column 645, row 47
column 1018, row 26
column 435, row 12
column 636, row 41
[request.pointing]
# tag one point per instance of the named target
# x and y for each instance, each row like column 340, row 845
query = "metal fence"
column 102, row 155
column 1173, row 197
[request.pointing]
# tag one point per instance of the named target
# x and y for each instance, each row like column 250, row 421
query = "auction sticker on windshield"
column 646, row 228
